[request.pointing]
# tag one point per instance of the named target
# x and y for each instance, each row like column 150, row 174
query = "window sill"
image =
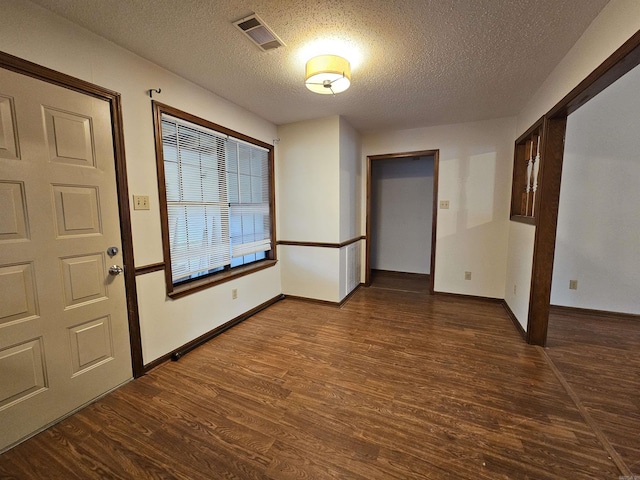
column 219, row 278
column 523, row 219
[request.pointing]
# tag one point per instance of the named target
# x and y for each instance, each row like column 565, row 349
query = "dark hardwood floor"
column 598, row 357
column 408, row 282
column 393, row 385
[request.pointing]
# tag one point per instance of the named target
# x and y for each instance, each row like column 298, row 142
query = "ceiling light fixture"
column 327, row 74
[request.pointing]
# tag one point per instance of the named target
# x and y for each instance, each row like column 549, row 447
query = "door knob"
column 115, row 270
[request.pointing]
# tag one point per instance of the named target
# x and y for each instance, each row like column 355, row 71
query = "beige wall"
column 308, row 181
column 318, row 180
column 519, row 265
column 35, row 34
column 475, row 177
column 617, row 22
column 308, row 197
column 350, row 199
column 310, row 272
column 350, row 181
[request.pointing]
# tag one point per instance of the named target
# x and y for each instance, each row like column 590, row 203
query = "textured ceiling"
column 414, row 62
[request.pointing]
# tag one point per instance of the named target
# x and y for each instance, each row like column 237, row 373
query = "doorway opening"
column 402, row 193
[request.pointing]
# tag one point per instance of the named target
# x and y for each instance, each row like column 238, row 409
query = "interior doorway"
column 613, row 68
column 401, row 236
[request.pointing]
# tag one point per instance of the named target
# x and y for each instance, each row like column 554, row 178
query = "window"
column 526, row 166
column 216, row 201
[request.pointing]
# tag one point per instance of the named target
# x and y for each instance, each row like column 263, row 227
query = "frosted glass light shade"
column 327, row 74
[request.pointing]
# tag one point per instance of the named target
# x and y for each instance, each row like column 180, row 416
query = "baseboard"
column 187, row 347
column 469, row 297
column 500, row 301
column 312, row 300
column 325, row 302
column 348, row 297
column 587, row 311
column 515, row 321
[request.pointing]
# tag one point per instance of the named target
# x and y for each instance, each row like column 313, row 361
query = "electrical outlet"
column 514, row 288
column 234, row 293
column 467, row 275
column 141, row 202
column 573, row 284
column 444, row 204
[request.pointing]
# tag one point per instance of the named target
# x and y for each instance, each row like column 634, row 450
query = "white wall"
column 401, row 214
column 168, row 324
column 308, row 194
column 617, row 22
column 35, row 34
column 598, row 241
column 350, row 198
column 475, row 176
column 318, row 190
column 350, row 182
column 310, row 272
column 520, row 264
column 307, row 175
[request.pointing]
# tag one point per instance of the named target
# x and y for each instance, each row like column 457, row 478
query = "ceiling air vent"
column 254, row 28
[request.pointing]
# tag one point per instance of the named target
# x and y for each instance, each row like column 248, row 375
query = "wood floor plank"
column 597, row 357
column 410, row 282
column 395, row 384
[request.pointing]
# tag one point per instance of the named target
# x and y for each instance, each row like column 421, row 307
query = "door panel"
column 8, row 141
column 13, row 214
column 64, row 336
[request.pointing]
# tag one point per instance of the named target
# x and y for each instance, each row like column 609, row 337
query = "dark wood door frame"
column 394, row 156
column 623, row 60
column 25, row 67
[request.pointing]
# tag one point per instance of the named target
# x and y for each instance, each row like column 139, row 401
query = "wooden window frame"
column 519, row 212
column 198, row 284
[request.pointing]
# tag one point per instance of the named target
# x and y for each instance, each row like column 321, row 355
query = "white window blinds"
column 248, row 191
column 217, row 192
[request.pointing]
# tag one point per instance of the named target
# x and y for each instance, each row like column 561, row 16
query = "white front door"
column 64, row 337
